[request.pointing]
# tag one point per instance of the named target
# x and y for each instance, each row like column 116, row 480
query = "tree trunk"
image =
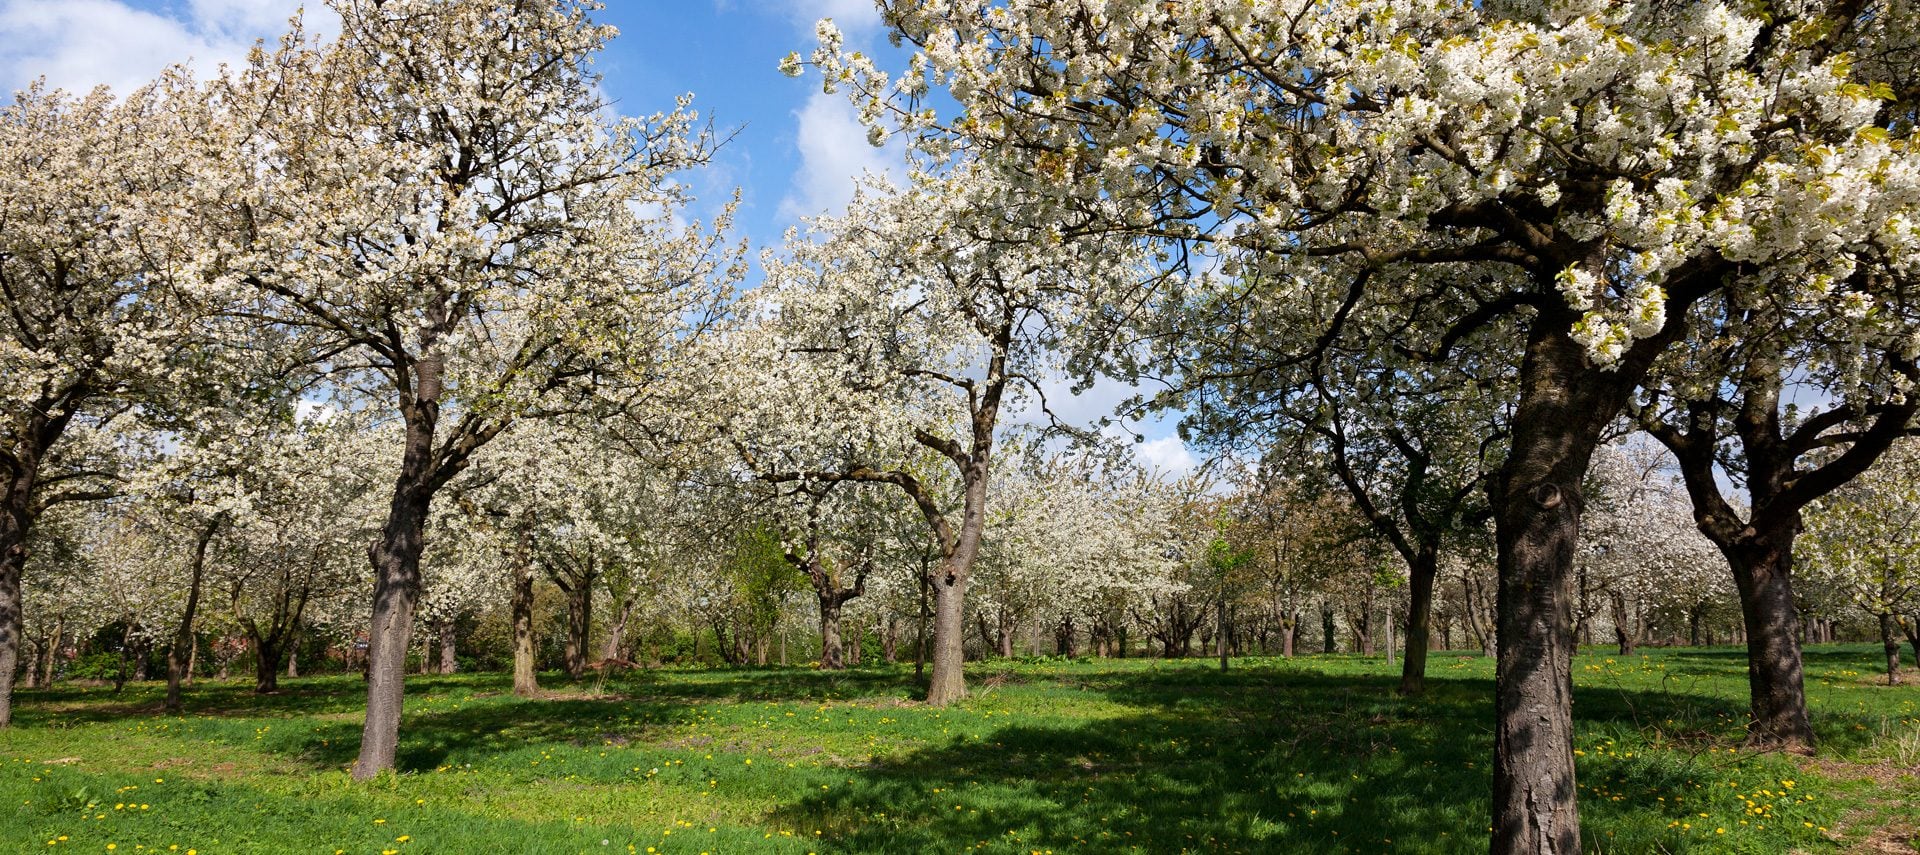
column 617, row 631
column 396, row 591
column 1565, row 402
column 1622, row 626
column 1221, row 636
column 1890, row 644
column 1287, row 629
column 832, row 651
column 293, row 657
column 947, row 681
column 1391, row 627
column 181, row 652
column 526, row 682
column 13, row 561
column 1326, row 627
column 447, row 662
column 579, row 627
column 1763, row 573
column 1421, row 572
column 926, row 618
column 51, row 655
column 266, row 667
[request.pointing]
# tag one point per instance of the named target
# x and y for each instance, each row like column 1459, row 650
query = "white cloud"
column 79, row 44
column 833, row 153
column 1167, row 456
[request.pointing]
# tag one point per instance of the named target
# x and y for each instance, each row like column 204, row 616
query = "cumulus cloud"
column 79, row 44
column 834, row 152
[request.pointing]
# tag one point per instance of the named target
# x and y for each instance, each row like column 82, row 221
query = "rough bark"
column 396, row 592
column 1565, row 402
column 832, row 650
column 947, row 682
column 1776, row 682
column 180, row 654
column 526, row 681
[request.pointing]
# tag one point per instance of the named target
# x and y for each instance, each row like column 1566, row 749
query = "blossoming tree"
column 1588, row 171
column 440, row 202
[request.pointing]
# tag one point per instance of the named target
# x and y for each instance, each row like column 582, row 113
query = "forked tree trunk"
column 615, row 648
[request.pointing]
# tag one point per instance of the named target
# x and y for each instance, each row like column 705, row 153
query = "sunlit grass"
column 1312, row 754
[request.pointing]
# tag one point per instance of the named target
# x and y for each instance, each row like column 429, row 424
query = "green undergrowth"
column 1313, row 754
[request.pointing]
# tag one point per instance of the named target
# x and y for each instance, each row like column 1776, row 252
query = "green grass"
column 1315, row 754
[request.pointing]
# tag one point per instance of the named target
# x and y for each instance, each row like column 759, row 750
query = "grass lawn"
column 1314, row 754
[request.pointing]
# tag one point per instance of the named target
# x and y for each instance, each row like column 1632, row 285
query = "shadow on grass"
column 1269, row 757
column 1279, row 762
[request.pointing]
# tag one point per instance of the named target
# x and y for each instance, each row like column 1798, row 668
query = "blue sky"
column 795, row 150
